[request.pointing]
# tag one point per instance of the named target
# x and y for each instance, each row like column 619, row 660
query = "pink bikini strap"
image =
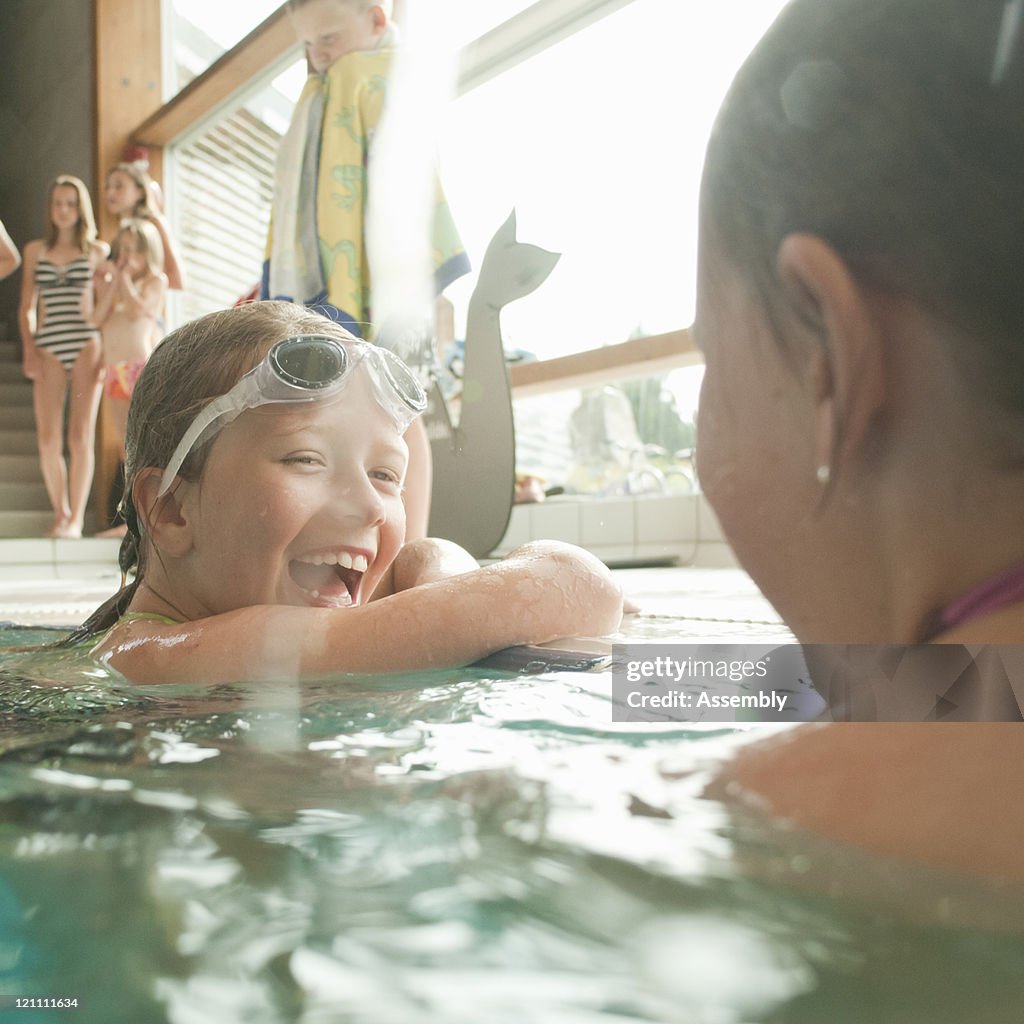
column 996, row 592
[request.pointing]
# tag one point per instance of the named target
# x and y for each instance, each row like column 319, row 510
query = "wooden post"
column 128, row 90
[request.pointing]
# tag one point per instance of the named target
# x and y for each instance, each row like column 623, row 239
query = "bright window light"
column 598, row 143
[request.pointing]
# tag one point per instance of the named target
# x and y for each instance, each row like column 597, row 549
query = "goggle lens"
column 405, row 383
column 305, row 363
column 309, row 362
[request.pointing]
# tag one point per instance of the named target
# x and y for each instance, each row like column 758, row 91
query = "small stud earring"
column 823, row 474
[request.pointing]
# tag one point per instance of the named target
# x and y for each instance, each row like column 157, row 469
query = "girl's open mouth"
column 332, row 580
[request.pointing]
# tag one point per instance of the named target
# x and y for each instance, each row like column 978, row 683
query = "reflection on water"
column 451, row 847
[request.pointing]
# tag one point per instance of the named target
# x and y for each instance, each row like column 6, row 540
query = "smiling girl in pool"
column 264, row 474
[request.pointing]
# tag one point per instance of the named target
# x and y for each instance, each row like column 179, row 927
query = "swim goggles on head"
column 307, row 368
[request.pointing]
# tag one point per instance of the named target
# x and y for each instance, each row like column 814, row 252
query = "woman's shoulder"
column 98, row 249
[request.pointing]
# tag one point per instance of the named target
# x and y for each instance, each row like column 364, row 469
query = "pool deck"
column 59, row 582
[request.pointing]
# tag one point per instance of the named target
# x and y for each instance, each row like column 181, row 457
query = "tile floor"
column 55, row 582
column 47, row 582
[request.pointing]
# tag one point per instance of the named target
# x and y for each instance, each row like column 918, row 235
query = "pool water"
column 468, row 846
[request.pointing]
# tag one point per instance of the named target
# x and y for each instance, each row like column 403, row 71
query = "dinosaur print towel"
column 353, row 92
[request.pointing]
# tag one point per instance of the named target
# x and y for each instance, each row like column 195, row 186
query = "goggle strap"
column 220, row 408
column 402, row 403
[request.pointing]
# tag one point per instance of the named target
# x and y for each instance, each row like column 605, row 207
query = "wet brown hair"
column 193, row 365
column 890, row 129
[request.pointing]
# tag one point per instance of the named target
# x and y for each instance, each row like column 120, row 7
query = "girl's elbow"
column 174, row 276
column 594, row 594
column 575, row 592
column 607, row 606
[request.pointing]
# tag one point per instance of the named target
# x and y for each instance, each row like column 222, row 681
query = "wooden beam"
column 640, row 357
column 127, row 41
column 264, row 45
column 531, row 31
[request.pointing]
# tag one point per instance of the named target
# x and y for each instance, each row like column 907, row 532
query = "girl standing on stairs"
column 61, row 349
column 130, row 193
column 126, row 311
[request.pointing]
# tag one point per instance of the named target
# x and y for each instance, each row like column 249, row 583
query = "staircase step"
column 18, row 417
column 10, row 372
column 23, row 497
column 19, row 468
column 25, row 524
column 19, row 442
column 15, row 393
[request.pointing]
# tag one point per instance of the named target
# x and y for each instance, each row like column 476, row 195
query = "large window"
column 598, row 144
column 597, row 141
column 197, row 32
column 223, row 172
column 468, row 19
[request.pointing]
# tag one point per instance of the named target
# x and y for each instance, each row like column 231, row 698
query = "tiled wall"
column 680, row 529
column 41, row 559
column 47, row 121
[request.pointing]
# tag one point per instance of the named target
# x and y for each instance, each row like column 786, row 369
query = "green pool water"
column 452, row 847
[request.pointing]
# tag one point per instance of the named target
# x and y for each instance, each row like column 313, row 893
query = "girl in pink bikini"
column 130, row 193
column 126, row 311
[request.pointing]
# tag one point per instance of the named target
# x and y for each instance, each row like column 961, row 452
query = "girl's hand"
column 103, row 275
column 30, row 365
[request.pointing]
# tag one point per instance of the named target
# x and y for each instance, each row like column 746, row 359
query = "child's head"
column 138, row 247
column 127, row 190
column 328, row 29
column 69, row 208
column 860, row 248
column 288, row 502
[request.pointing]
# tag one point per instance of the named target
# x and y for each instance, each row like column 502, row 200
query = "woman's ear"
column 849, row 374
column 163, row 519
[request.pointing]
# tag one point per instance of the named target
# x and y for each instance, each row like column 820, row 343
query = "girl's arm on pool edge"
column 539, row 592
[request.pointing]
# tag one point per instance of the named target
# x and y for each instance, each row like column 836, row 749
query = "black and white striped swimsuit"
column 64, row 332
